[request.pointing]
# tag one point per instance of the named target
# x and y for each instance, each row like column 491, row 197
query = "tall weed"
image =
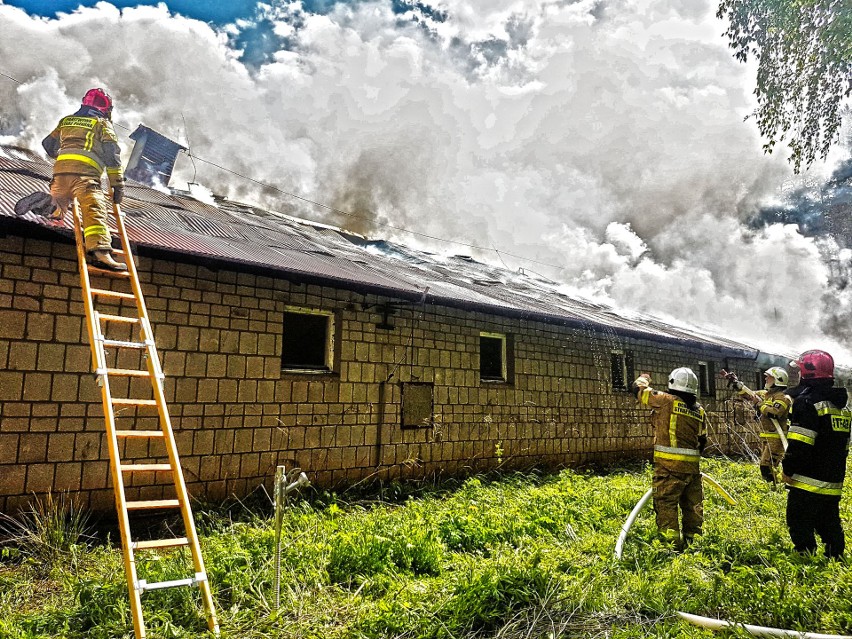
column 51, row 528
column 520, row 556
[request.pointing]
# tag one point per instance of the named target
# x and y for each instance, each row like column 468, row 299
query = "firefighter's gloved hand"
column 737, row 384
column 118, row 193
column 702, row 443
column 643, row 381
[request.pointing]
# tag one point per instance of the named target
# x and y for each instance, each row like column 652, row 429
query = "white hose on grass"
column 757, row 631
column 619, row 545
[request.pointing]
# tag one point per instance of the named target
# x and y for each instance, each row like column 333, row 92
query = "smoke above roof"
column 604, row 142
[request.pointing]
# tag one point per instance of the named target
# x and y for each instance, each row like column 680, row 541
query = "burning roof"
column 249, row 238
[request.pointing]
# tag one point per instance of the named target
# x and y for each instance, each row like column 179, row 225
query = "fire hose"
column 619, row 545
column 757, row 631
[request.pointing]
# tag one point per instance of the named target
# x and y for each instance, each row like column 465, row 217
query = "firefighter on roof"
column 84, row 146
column 815, row 463
column 773, row 409
column 679, row 428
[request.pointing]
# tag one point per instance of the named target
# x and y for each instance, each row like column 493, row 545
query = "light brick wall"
column 236, row 415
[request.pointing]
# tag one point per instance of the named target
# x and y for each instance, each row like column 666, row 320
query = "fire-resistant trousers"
column 93, row 205
column 671, row 490
column 809, row 513
column 771, row 454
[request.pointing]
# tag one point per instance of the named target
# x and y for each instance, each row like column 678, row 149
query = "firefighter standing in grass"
column 84, row 146
column 679, row 427
column 815, row 463
column 773, row 409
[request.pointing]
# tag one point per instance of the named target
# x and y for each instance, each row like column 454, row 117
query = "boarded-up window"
column 416, row 404
column 306, row 341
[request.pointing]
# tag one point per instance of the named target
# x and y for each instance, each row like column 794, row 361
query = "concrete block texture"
column 236, row 413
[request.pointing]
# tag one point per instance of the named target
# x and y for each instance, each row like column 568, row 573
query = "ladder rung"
column 118, row 318
column 139, row 433
column 120, row 344
column 160, row 543
column 143, row 585
column 105, row 271
column 105, row 293
column 153, row 504
column 142, row 468
column 129, row 401
column 127, row 372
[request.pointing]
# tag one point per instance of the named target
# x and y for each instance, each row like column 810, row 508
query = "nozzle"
column 302, row 480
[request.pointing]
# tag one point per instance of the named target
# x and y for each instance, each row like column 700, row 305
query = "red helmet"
column 99, row 99
column 816, row 365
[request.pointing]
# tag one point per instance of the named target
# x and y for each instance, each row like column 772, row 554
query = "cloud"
column 603, row 137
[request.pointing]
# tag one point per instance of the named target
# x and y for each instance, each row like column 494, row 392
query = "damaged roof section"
column 249, row 237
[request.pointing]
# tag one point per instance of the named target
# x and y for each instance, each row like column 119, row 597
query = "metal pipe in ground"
column 282, row 489
column 280, row 480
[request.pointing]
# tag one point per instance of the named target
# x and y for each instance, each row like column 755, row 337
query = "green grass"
column 523, row 555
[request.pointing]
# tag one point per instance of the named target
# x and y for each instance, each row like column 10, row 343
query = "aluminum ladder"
column 99, row 326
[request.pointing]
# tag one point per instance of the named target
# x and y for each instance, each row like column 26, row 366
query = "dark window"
column 492, row 365
column 616, row 363
column 630, row 367
column 759, row 381
column 703, row 378
column 305, row 341
column 416, row 404
column 711, row 379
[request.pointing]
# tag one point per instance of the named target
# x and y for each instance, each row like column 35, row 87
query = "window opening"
column 706, row 379
column 306, row 341
column 618, row 370
column 492, row 357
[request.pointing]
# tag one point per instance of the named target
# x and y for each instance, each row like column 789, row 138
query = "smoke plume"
column 604, row 139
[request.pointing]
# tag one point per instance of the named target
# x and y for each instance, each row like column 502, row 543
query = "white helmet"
column 780, row 375
column 684, row 380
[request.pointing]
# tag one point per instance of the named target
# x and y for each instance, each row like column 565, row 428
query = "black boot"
column 39, row 203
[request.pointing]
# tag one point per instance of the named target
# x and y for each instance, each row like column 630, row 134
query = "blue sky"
column 216, row 12
column 256, row 39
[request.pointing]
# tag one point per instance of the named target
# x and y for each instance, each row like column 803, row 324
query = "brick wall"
column 236, row 415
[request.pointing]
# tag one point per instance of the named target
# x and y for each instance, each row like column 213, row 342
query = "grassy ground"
column 519, row 556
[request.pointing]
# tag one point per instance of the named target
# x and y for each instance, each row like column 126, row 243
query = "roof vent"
column 153, row 157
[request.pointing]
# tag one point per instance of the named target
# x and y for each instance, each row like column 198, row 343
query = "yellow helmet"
column 780, row 375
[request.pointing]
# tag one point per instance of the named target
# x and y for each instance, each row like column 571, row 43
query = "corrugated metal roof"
column 241, row 234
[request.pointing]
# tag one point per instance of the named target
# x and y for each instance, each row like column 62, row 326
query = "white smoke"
column 604, row 138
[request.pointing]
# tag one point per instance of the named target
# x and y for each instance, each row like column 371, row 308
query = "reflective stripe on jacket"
column 773, row 407
column 818, row 439
column 676, row 430
column 85, row 144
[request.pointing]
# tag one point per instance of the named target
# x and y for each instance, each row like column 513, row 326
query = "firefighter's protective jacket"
column 818, row 439
column 773, row 406
column 678, row 430
column 85, row 144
